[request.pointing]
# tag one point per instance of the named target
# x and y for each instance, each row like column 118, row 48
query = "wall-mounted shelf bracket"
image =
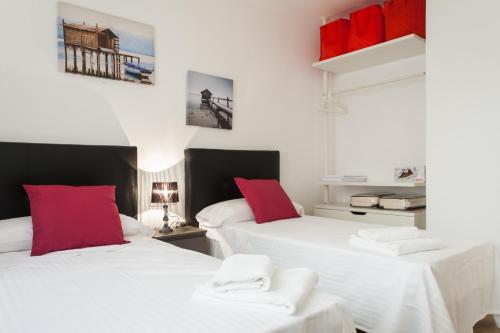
column 331, row 104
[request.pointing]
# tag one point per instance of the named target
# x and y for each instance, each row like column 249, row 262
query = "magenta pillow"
column 267, row 199
column 73, row 217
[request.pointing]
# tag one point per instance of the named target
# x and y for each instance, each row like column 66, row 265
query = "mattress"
column 145, row 286
column 436, row 291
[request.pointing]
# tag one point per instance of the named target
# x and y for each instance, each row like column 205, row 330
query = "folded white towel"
column 289, row 288
column 398, row 248
column 389, row 234
column 242, row 272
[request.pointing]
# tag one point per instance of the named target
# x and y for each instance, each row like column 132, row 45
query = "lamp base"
column 166, row 229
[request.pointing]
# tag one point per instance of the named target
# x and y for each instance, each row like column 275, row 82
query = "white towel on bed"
column 398, row 248
column 389, row 234
column 242, row 272
column 289, row 288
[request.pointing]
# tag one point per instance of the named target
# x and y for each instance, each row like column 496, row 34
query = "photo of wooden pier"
column 209, row 101
column 96, row 44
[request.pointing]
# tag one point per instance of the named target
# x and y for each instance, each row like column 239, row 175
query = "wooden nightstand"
column 186, row 237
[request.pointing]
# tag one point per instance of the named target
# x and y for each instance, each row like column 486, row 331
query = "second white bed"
column 438, row 291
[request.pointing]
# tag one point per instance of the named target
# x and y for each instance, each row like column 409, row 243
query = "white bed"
column 144, row 286
column 438, row 291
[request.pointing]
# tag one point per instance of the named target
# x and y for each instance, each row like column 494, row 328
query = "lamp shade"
column 164, row 192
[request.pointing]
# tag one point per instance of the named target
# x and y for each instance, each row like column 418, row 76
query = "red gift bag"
column 366, row 28
column 334, row 36
column 404, row 17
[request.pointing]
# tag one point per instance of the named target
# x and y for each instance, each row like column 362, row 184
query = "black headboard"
column 33, row 163
column 210, row 174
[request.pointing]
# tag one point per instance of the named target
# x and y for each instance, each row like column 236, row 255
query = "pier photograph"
column 105, row 46
column 209, row 101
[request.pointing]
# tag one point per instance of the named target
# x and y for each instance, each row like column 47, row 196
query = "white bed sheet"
column 437, row 291
column 145, row 286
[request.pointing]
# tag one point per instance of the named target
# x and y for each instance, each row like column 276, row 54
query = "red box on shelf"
column 404, row 17
column 366, row 28
column 334, row 36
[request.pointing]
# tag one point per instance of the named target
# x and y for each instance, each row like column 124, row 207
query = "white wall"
column 463, row 117
column 266, row 50
column 463, row 137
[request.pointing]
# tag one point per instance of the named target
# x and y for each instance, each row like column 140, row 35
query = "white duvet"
column 145, row 286
column 443, row 291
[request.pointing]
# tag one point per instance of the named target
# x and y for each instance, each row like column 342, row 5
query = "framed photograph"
column 209, row 101
column 104, row 46
column 410, row 174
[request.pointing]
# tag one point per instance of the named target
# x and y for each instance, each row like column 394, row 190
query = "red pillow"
column 73, row 217
column 267, row 199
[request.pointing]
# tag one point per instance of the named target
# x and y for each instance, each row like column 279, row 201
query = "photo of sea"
column 209, row 101
column 100, row 45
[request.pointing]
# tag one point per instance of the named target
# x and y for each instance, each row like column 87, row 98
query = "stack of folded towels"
column 251, row 279
column 394, row 241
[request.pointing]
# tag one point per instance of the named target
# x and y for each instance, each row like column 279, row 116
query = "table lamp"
column 165, row 193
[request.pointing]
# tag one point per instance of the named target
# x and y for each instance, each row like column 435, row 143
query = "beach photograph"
column 105, row 46
column 209, row 101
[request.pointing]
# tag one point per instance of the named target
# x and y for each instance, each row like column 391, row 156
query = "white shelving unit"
column 390, row 51
column 370, row 183
column 348, row 208
column 368, row 214
column 383, row 53
column 372, row 215
column 389, row 183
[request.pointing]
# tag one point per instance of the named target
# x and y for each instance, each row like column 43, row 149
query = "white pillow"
column 16, row 234
column 236, row 210
column 131, row 226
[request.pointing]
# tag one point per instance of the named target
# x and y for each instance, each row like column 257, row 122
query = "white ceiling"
column 319, row 8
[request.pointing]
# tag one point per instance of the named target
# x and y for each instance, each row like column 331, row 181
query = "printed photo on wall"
column 209, row 101
column 409, row 174
column 100, row 45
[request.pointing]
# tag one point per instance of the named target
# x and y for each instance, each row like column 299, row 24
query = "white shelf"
column 393, row 50
column 348, row 208
column 388, row 183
